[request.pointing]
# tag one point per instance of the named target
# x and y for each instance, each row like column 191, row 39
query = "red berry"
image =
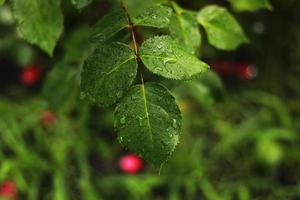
column 130, row 163
column 246, row 71
column 30, row 75
column 224, row 67
column 48, row 118
column 8, row 189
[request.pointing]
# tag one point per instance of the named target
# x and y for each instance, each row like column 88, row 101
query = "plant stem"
column 133, row 35
column 131, row 29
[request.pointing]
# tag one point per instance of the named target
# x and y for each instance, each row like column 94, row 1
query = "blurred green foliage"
column 240, row 138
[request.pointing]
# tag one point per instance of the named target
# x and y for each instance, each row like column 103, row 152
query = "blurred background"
column 241, row 120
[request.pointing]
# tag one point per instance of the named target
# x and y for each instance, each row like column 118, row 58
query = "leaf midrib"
column 146, row 111
column 114, row 68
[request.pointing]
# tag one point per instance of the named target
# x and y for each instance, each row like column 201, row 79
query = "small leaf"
column 162, row 56
column 81, row 3
column 250, row 5
column 148, row 122
column 60, row 85
column 206, row 89
column 77, row 40
column 135, row 7
column 157, row 16
column 109, row 25
column 222, row 29
column 2, row 2
column 39, row 22
column 184, row 28
column 108, row 73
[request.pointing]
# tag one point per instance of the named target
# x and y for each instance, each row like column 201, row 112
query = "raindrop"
column 160, row 46
column 123, row 120
column 174, row 124
column 130, row 75
column 82, row 95
column 119, row 94
column 140, row 120
column 158, row 69
column 169, row 60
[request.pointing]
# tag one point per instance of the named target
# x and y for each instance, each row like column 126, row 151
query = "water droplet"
column 130, row 75
column 169, row 60
column 123, row 120
column 82, row 95
column 140, row 120
column 133, row 97
column 174, row 124
column 119, row 94
column 160, row 46
column 158, row 69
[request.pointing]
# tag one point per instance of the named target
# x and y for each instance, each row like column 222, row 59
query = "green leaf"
column 206, row 89
column 109, row 25
column 60, row 85
column 135, row 7
column 157, row 16
column 108, row 73
column 75, row 43
column 250, row 5
column 39, row 22
column 148, row 122
column 222, row 29
column 2, row 2
column 184, row 28
column 81, row 3
column 164, row 57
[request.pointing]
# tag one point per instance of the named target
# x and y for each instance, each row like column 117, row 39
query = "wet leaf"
column 39, row 22
column 163, row 56
column 108, row 73
column 148, row 122
column 109, row 25
column 157, row 16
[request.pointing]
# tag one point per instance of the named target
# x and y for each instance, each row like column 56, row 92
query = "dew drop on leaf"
column 123, row 120
column 82, row 95
column 119, row 94
column 160, row 46
column 130, row 75
column 140, row 121
column 169, row 60
column 158, row 69
column 174, row 124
